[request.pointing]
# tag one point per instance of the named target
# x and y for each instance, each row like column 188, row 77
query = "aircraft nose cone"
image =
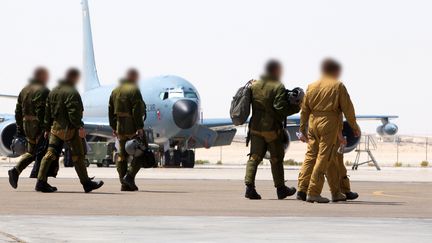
column 185, row 113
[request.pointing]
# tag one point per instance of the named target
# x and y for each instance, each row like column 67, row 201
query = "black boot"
column 13, row 177
column 43, row 186
column 251, row 193
column 125, row 188
column 129, row 181
column 351, row 195
column 301, row 196
column 91, row 185
column 284, row 191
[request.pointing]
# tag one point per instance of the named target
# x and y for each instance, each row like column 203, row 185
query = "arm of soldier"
column 341, row 137
column 40, row 105
column 75, row 109
column 48, row 119
column 111, row 114
column 18, row 114
column 280, row 103
column 347, row 108
column 138, row 109
column 304, row 114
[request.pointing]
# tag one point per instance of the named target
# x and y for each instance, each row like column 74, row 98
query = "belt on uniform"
column 126, row 136
column 123, row 114
column 30, row 118
column 267, row 135
column 325, row 113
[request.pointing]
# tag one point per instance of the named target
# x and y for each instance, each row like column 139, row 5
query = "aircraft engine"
column 388, row 129
column 352, row 141
column 7, row 132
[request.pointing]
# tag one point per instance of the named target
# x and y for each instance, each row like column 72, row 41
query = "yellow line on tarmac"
column 382, row 194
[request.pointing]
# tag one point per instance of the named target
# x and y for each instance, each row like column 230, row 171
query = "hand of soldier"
column 82, row 132
column 114, row 133
column 357, row 133
column 140, row 133
column 342, row 139
column 302, row 137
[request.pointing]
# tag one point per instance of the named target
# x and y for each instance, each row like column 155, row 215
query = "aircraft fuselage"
column 173, row 104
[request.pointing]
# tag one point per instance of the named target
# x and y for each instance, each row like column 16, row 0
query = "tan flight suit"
column 126, row 112
column 323, row 102
column 337, row 177
column 341, row 174
column 270, row 107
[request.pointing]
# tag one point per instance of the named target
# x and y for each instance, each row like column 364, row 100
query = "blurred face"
column 338, row 74
column 74, row 80
column 43, row 77
column 276, row 74
column 133, row 77
column 335, row 75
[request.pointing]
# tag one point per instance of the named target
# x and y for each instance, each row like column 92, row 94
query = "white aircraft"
column 174, row 121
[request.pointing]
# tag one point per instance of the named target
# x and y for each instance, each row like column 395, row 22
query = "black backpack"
column 240, row 104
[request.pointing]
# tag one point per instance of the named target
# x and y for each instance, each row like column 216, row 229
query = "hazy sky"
column 385, row 46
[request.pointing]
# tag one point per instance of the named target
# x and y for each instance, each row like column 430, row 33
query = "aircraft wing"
column 226, row 122
column 217, row 122
column 7, row 96
column 98, row 126
column 293, row 123
column 295, row 119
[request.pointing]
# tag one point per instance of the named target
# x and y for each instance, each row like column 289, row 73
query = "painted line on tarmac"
column 382, row 194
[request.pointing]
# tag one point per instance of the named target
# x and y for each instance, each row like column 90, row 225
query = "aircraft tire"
column 188, row 159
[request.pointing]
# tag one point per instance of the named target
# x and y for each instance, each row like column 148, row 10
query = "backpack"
column 240, row 104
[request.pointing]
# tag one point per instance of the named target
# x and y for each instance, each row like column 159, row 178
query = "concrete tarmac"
column 210, row 210
column 211, row 229
column 211, row 198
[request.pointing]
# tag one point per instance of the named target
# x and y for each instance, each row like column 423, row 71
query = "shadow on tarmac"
column 80, row 192
column 163, row 191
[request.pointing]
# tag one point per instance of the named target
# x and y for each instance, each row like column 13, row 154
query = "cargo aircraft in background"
column 174, row 124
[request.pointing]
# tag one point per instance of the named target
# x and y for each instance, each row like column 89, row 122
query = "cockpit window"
column 190, row 94
column 178, row 93
column 164, row 95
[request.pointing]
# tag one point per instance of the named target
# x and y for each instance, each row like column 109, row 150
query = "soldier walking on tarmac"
column 336, row 176
column 320, row 126
column 63, row 120
column 29, row 116
column 127, row 113
column 270, row 107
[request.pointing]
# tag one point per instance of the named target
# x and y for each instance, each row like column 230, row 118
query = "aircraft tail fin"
column 91, row 79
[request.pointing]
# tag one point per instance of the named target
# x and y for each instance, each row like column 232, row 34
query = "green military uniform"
column 64, row 111
column 321, row 110
column 270, row 108
column 29, row 116
column 127, row 112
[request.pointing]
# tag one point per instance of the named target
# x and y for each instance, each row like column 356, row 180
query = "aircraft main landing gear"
column 177, row 158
